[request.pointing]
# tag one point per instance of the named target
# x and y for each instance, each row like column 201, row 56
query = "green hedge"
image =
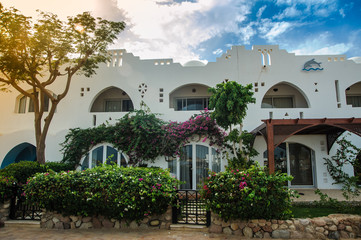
column 110, row 191
column 5, row 187
column 249, row 194
column 23, row 170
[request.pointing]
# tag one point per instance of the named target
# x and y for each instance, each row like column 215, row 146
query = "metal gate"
column 190, row 209
column 20, row 209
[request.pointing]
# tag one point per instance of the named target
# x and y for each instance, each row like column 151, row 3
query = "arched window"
column 26, row 104
column 190, row 97
column 283, row 95
column 112, row 100
column 195, row 162
column 353, row 95
column 103, row 154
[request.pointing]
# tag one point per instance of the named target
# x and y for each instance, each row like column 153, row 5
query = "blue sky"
column 204, row 29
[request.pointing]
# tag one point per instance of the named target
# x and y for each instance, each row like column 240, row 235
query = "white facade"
column 277, row 77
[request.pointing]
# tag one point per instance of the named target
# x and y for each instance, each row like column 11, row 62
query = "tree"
column 230, row 103
column 35, row 55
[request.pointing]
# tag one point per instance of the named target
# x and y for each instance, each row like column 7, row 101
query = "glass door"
column 185, row 170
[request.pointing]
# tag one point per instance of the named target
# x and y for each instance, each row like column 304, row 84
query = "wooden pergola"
column 276, row 131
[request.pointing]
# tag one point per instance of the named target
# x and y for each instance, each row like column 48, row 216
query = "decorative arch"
column 285, row 95
column 22, row 152
column 353, row 95
column 189, row 97
column 111, row 99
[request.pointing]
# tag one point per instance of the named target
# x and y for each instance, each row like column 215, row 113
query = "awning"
column 276, row 131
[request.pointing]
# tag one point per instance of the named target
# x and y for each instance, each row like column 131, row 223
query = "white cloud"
column 289, row 12
column 260, row 11
column 321, row 8
column 271, row 30
column 218, row 51
column 321, row 46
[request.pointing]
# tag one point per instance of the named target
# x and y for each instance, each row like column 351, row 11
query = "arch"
column 103, row 153
column 189, row 97
column 285, row 95
column 22, row 152
column 353, row 95
column 111, row 99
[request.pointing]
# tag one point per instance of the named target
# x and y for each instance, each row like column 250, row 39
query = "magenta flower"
column 140, row 179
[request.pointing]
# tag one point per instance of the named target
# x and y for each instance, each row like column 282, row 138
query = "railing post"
column 13, row 201
column 175, row 210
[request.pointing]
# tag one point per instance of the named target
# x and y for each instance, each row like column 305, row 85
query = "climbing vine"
column 143, row 136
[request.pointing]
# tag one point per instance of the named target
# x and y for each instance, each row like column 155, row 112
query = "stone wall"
column 334, row 226
column 4, row 211
column 56, row 220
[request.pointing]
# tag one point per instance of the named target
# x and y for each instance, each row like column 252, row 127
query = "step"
column 188, row 227
column 22, row 223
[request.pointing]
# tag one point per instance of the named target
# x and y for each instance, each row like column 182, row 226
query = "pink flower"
column 140, row 179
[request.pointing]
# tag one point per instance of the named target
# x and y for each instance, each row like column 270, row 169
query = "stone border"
column 4, row 211
column 332, row 227
column 51, row 220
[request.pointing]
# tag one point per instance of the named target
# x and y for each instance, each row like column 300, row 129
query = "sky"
column 205, row 29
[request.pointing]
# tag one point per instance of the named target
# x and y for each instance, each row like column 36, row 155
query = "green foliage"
column 327, row 201
column 248, row 194
column 58, row 166
column 5, row 187
column 345, row 154
column 142, row 136
column 22, row 171
column 110, row 191
column 229, row 101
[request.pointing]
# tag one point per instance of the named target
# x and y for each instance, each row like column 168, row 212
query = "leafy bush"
column 22, row 171
column 59, row 166
column 249, row 194
column 110, row 191
column 5, row 187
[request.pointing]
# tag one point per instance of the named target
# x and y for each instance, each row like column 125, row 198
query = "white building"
column 292, row 89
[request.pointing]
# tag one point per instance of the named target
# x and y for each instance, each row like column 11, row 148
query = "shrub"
column 249, row 194
column 59, row 166
column 110, row 191
column 5, row 187
column 22, row 171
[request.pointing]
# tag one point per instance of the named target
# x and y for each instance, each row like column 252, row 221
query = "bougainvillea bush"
column 5, row 187
column 108, row 190
column 248, row 194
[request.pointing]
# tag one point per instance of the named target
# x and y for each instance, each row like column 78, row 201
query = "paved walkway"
column 309, row 195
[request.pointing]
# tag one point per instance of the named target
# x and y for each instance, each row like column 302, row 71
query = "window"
column 23, row 100
column 104, row 154
column 118, row 105
column 22, row 105
column 354, row 101
column 277, row 102
column 191, row 104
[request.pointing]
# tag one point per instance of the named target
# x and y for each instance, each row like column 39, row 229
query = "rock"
column 266, row 235
column 67, row 225
column 296, row 235
column 227, row 230
column 310, row 230
column 86, row 225
column 242, row 225
column 59, row 225
column 215, row 228
column 262, row 220
column 320, row 235
column 254, row 221
column 168, row 217
column 348, row 229
column 332, row 228
column 256, row 229
column 289, row 222
column 96, row 223
column 341, row 227
column 55, row 220
column 65, row 219
column 292, row 227
column 344, row 234
column 78, row 223
column 319, row 229
column 154, row 223
column 267, row 228
column 49, row 224
column 258, row 235
column 283, row 226
column 143, row 226
column 113, row 220
column 281, row 234
column 274, row 226
column 226, row 224
column 86, row 219
column 238, row 232
column 133, row 225
column 234, row 226
column 72, row 225
column 281, row 221
column 74, row 218
column 304, row 222
column 117, row 225
column 251, row 225
column 107, row 223
column 319, row 222
column 248, row 232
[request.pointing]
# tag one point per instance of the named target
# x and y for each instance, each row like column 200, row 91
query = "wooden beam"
column 270, row 147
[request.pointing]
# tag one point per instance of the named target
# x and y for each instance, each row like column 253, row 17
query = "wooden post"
column 270, row 147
